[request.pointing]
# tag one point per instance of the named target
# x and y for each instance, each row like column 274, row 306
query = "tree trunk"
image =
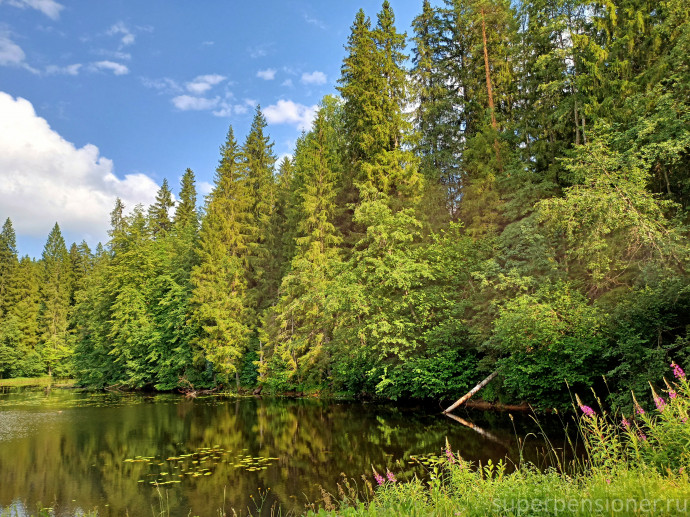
column 472, row 392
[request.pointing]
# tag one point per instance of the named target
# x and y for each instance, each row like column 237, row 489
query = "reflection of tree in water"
column 80, row 455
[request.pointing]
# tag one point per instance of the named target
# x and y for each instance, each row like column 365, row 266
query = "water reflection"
column 69, row 449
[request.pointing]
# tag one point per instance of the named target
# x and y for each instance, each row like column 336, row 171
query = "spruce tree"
column 8, row 266
column 219, row 300
column 159, row 213
column 55, row 346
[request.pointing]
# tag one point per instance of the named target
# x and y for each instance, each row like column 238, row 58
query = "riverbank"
column 633, row 465
column 46, row 380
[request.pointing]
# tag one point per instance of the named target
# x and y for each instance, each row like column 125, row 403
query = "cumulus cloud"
column 116, row 68
column 203, row 83
column 289, row 112
column 189, row 103
column 120, row 28
column 44, row 178
column 315, row 77
column 268, row 75
column 48, row 7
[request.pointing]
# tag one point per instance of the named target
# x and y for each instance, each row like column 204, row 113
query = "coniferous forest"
column 505, row 186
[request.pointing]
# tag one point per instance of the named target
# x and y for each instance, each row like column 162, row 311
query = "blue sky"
column 100, row 99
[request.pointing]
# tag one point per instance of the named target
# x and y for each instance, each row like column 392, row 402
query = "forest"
column 504, row 188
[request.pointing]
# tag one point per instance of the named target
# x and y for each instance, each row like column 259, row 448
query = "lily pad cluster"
column 202, row 462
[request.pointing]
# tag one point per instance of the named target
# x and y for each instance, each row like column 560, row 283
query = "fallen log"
column 474, row 390
column 479, row 430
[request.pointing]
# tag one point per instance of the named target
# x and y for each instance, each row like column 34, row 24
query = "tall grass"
column 634, row 464
column 46, row 380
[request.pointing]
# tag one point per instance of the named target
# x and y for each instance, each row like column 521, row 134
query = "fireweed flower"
column 660, row 403
column 588, row 411
column 639, row 410
column 390, row 476
column 643, row 436
column 677, row 371
column 449, row 455
column 378, row 477
column 672, row 394
column 626, row 423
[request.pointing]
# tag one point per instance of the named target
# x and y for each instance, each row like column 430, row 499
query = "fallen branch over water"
column 472, row 392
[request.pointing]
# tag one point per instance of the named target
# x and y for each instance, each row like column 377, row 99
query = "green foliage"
column 551, row 338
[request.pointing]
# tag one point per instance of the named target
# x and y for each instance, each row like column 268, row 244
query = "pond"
column 140, row 454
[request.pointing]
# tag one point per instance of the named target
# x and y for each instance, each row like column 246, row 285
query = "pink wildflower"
column 639, row 410
column 588, row 411
column 643, row 436
column 672, row 394
column 390, row 476
column 677, row 371
column 626, row 423
column 378, row 477
column 660, row 403
column 450, row 456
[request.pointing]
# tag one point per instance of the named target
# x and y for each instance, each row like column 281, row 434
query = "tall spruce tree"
column 55, row 346
column 219, row 307
column 8, row 265
column 159, row 213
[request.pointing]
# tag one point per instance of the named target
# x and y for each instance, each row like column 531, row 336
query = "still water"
column 135, row 454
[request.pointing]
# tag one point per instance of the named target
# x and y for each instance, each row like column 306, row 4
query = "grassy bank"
column 36, row 381
column 633, row 465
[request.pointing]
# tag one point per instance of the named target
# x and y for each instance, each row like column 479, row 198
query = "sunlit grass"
column 36, row 381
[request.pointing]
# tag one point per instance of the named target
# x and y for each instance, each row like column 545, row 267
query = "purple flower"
column 639, row 410
column 588, row 411
column 378, row 477
column 672, row 394
column 677, row 371
column 643, row 436
column 626, row 423
column 450, row 456
column 390, row 476
column 660, row 403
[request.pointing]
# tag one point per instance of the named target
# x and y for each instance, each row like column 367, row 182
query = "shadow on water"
column 120, row 452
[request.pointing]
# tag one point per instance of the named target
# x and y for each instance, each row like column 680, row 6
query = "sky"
column 105, row 99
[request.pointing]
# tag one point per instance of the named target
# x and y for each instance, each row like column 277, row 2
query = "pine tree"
column 55, row 345
column 218, row 304
column 375, row 88
column 8, row 266
column 302, row 321
column 259, row 162
column 159, row 213
column 185, row 212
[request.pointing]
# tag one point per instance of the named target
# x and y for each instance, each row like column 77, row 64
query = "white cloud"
column 203, row 83
column 164, row 85
column 189, row 103
column 116, row 68
column 287, row 83
column 10, row 52
column 315, row 77
column 269, row 74
column 66, row 70
column 112, row 54
column 44, row 178
column 289, row 112
column 314, row 21
column 120, row 28
column 204, row 187
column 48, row 7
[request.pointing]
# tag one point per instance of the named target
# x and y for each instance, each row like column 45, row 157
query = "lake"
column 138, row 454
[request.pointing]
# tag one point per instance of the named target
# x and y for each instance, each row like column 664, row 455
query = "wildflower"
column 449, row 454
column 639, row 410
column 390, row 476
column 660, row 403
column 684, row 419
column 588, row 411
column 626, row 423
column 642, row 436
column 378, row 477
column 677, row 371
column 672, row 394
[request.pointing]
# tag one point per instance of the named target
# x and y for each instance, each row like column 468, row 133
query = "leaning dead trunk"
column 472, row 392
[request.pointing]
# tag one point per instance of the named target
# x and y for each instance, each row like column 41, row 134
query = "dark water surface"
column 79, row 451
